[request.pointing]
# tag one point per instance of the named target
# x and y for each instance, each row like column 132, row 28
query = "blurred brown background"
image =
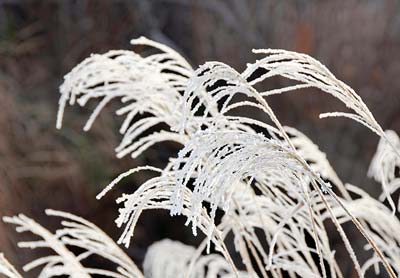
column 40, row 41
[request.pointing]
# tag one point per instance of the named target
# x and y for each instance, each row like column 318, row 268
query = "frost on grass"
column 384, row 165
column 309, row 73
column 223, row 152
column 146, row 86
column 7, row 269
column 75, row 232
column 221, row 158
column 155, row 193
column 283, row 225
column 274, row 188
column 170, row 259
column 382, row 226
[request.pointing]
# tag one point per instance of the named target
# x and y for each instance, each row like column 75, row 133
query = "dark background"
column 40, row 41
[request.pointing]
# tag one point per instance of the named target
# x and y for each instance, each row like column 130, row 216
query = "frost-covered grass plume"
column 275, row 189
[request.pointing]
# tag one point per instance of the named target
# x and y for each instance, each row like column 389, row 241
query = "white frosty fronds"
column 222, row 84
column 81, row 233
column 170, row 259
column 315, row 157
column 309, row 73
column 220, row 159
column 156, row 193
column 7, row 269
column 149, row 86
column 283, row 223
column 382, row 226
column 383, row 167
column 271, row 183
column 63, row 263
column 76, row 232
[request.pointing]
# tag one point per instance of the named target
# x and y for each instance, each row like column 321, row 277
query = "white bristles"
column 266, row 186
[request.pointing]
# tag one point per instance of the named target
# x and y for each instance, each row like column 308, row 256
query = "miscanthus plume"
column 274, row 188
